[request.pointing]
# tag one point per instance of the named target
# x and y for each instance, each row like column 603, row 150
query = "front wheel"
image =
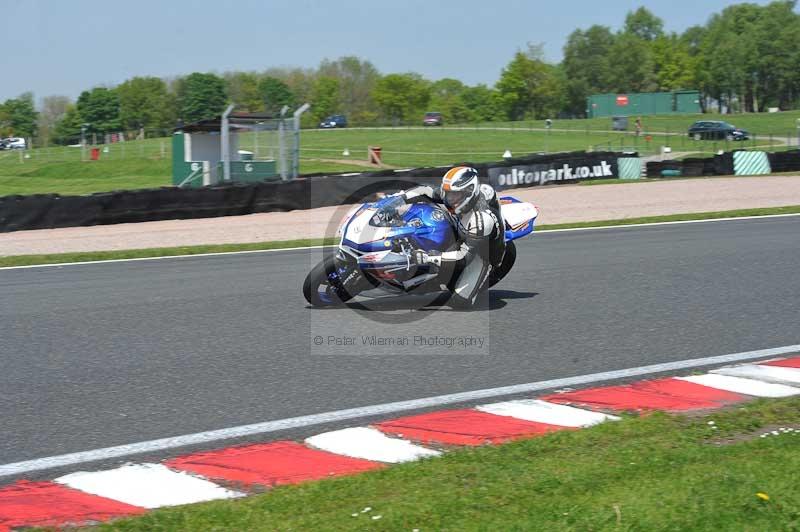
column 317, row 288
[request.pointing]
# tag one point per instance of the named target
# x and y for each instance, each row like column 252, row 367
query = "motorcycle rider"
column 480, row 229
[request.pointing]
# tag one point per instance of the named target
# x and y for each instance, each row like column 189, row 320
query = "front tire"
column 317, row 288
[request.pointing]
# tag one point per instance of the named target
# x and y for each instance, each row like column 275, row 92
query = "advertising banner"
column 556, row 171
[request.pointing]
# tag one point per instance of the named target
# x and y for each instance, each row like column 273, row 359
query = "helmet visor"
column 455, row 198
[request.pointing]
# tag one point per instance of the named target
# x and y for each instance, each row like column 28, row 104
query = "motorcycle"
column 377, row 241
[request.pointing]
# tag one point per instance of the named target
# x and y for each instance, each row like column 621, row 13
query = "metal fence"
column 273, row 140
column 115, row 145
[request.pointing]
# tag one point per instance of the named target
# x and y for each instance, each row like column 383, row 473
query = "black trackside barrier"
column 697, row 166
column 45, row 211
column 49, row 211
column 689, row 167
column 694, row 166
column 785, row 161
column 655, row 168
column 723, row 164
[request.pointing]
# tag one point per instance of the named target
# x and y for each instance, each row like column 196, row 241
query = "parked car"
column 334, row 121
column 716, row 130
column 14, row 143
column 433, row 119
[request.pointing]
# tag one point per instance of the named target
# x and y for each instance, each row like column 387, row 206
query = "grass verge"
column 92, row 256
column 657, row 472
column 712, row 215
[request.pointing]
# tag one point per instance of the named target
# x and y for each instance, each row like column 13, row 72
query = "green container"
column 643, row 103
column 251, row 171
column 687, row 102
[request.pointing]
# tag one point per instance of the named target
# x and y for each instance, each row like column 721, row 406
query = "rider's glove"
column 421, row 257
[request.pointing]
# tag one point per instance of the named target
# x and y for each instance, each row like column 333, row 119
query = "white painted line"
column 599, row 227
column 147, row 486
column 774, row 374
column 335, row 416
column 676, row 222
column 742, row 385
column 544, row 412
column 369, row 444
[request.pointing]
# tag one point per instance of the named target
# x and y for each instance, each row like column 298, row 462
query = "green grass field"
column 655, row 473
column 146, row 163
column 431, row 147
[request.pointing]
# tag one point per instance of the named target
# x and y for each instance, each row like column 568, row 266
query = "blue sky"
column 63, row 47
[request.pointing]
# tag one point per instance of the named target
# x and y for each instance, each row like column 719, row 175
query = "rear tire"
column 509, row 258
column 317, row 289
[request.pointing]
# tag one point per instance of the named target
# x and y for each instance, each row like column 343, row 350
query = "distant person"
column 638, row 125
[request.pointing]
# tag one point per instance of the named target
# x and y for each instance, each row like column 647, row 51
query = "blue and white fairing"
column 378, row 226
column 520, row 217
column 379, row 237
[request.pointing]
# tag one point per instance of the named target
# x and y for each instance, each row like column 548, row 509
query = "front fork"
column 347, row 276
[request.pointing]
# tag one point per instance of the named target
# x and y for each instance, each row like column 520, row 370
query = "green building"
column 200, row 151
column 643, row 103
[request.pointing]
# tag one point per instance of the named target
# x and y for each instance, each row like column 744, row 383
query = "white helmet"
column 460, row 189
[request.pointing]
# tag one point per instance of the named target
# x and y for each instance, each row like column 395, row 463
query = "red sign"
column 622, row 100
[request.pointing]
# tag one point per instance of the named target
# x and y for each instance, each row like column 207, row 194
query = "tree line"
column 744, row 59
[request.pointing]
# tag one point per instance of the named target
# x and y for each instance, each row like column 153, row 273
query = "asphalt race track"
column 107, row 354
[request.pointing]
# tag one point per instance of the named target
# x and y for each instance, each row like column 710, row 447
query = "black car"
column 716, row 130
column 334, row 121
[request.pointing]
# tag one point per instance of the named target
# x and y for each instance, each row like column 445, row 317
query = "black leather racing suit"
column 481, row 242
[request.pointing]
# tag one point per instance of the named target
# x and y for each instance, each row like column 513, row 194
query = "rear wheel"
column 317, row 287
column 509, row 259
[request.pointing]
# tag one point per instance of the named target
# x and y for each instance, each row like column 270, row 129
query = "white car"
column 15, row 143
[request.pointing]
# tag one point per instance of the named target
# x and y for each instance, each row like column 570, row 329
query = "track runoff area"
column 89, row 493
